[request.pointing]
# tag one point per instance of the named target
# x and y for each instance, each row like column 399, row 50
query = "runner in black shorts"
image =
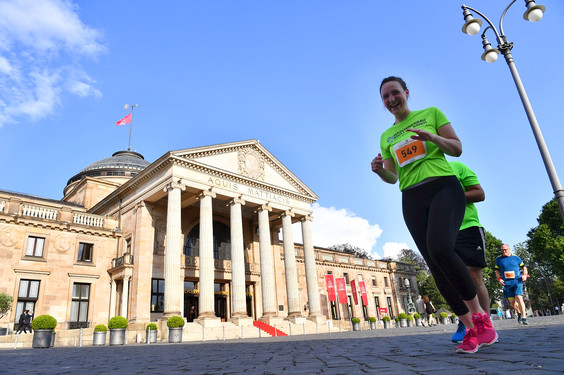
column 470, row 242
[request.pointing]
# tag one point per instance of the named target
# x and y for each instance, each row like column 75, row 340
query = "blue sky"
column 300, row 76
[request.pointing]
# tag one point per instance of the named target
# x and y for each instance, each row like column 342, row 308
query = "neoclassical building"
column 205, row 233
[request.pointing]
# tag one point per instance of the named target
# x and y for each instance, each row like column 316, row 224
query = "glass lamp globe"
column 473, row 28
column 491, row 56
column 535, row 15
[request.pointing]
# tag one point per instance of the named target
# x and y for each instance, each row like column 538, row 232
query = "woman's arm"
column 386, row 169
column 445, row 139
column 474, row 193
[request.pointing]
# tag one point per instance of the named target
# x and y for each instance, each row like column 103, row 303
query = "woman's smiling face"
column 395, row 99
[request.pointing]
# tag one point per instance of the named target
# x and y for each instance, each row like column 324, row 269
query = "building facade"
column 205, row 233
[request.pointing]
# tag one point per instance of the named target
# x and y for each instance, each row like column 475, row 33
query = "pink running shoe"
column 485, row 331
column 469, row 342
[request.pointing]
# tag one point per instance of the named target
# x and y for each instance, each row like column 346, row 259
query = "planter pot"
column 386, row 324
column 42, row 338
column 117, row 336
column 151, row 336
column 52, row 339
column 410, row 323
column 175, row 334
column 372, row 325
column 454, row 320
column 99, row 338
column 444, row 320
column 403, row 323
column 356, row 326
column 418, row 322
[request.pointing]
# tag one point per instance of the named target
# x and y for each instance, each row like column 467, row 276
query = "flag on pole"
column 125, row 120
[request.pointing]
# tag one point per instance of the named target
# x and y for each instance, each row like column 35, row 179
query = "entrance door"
column 190, row 307
column 221, row 307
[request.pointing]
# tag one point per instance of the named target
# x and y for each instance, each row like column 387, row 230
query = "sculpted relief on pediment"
column 251, row 163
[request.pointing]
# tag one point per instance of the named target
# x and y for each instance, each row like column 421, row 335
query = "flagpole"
column 131, row 123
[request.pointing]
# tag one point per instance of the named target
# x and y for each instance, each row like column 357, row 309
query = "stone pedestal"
column 208, row 321
column 242, row 321
column 297, row 319
column 319, row 319
column 273, row 320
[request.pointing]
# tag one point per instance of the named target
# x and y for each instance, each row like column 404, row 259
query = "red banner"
column 362, row 287
column 383, row 311
column 353, row 291
column 330, row 281
column 341, row 289
column 125, row 120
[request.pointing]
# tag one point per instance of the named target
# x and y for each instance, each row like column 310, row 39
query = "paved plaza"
column 537, row 348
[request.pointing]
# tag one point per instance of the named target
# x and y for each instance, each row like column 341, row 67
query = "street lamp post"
column 533, row 13
column 410, row 304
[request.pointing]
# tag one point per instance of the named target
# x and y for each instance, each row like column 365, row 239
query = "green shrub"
column 417, row 316
column 453, row 315
column 151, row 326
column 175, row 321
column 44, row 322
column 410, row 318
column 101, row 328
column 5, row 304
column 355, row 320
column 402, row 315
column 117, row 322
column 386, row 319
column 372, row 319
column 396, row 319
column 444, row 315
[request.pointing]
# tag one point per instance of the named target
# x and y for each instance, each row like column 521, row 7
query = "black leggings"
column 433, row 212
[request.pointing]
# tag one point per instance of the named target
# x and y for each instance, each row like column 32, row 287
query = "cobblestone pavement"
column 537, row 348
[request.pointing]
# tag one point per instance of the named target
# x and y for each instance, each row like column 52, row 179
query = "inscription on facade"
column 247, row 190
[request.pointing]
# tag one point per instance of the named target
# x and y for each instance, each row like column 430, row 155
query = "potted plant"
column 43, row 327
column 410, row 321
column 417, row 317
column 175, row 324
column 372, row 322
column 386, row 320
column 454, row 318
column 356, row 324
column 396, row 319
column 117, row 326
column 151, row 333
column 402, row 320
column 444, row 317
column 100, row 332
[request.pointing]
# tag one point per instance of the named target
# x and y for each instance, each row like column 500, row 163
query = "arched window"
column 221, row 241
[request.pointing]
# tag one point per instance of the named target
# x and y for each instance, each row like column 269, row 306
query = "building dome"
column 124, row 164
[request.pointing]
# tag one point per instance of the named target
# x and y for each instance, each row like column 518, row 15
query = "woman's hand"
column 386, row 169
column 445, row 139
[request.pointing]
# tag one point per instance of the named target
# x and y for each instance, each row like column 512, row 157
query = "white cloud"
column 392, row 249
column 332, row 226
column 41, row 45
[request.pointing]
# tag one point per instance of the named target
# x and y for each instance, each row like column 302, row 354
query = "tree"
column 546, row 241
column 411, row 257
column 5, row 304
column 350, row 249
column 492, row 251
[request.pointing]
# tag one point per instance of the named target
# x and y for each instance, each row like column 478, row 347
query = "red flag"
column 330, row 281
column 362, row 287
column 353, row 290
column 341, row 289
column 125, row 120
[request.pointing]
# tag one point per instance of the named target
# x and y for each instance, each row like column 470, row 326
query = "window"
column 390, row 309
column 35, row 246
column 329, row 272
column 346, row 276
column 386, row 282
column 85, row 252
column 157, row 295
column 27, row 297
column 221, row 241
column 79, row 306
column 360, row 277
column 377, row 303
column 374, row 283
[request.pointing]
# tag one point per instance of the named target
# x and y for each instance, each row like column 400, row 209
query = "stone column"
column 112, row 298
column 206, row 313
column 292, row 295
column 311, row 273
column 125, row 296
column 173, row 296
column 266, row 265
column 238, row 294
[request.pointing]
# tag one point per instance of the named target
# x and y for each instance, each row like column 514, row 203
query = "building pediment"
column 248, row 160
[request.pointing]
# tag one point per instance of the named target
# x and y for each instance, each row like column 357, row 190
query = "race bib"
column 409, row 150
column 509, row 274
